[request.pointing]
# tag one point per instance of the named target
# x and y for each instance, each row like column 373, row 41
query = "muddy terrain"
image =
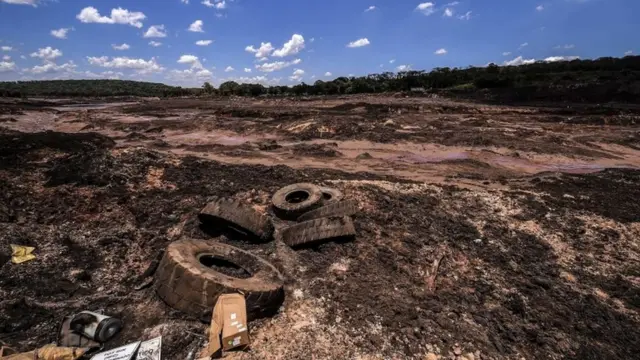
column 532, row 212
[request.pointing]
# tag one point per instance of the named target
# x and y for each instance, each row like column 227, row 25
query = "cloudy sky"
column 187, row 42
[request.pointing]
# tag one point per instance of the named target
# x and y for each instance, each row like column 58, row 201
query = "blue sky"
column 288, row 41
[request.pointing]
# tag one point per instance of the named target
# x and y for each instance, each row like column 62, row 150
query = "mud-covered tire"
column 330, row 195
column 340, row 208
column 185, row 284
column 240, row 217
column 316, row 231
column 294, row 200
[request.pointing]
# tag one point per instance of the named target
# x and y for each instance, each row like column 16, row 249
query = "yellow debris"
column 49, row 352
column 21, row 253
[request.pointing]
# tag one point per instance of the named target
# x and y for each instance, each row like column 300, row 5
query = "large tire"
column 186, row 284
column 294, row 200
column 239, row 217
column 330, row 195
column 341, row 208
column 319, row 230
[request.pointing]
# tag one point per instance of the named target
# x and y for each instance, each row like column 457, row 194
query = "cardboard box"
column 229, row 329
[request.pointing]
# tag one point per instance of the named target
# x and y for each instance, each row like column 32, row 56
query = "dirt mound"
column 316, row 150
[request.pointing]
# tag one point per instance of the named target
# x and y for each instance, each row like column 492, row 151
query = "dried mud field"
column 533, row 211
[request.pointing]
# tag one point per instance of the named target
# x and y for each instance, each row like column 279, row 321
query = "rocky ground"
column 530, row 211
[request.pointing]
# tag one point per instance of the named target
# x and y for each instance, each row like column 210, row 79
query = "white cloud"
column 196, row 26
column 448, row 12
column 155, row 43
column 627, row 53
column 124, row 46
column 118, row 16
column 370, row 8
column 291, row 47
column 247, row 70
column 263, row 59
column 519, row 61
column 218, row 4
column 23, row 57
column 6, row 48
column 6, row 58
column 426, row 8
column 506, row 53
column 187, row 59
column 312, row 39
column 561, row 58
column 60, row 33
column 566, row 47
column 466, row 16
column 403, row 68
column 327, row 74
column 141, row 65
column 523, row 45
column 262, row 52
column 297, row 75
column 359, row 43
column 441, row 51
column 392, row 61
column 33, row 3
column 453, row 3
column 6, row 66
column 539, row 8
column 278, row 65
column 204, row 42
column 155, row 31
column 229, row 69
column 50, row 67
column 184, row 1
column 47, row 53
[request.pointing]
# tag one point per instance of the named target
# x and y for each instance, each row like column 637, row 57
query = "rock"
column 431, row 356
column 468, row 356
column 365, row 155
column 457, row 351
column 268, row 145
column 478, row 241
column 389, row 122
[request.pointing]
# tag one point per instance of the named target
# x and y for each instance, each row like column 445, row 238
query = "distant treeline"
column 89, row 88
column 604, row 79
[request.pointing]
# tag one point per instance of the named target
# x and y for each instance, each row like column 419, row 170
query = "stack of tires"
column 322, row 214
column 189, row 277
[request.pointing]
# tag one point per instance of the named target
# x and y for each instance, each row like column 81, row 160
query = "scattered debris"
column 125, row 352
column 98, row 327
column 20, row 254
column 229, row 327
column 150, row 349
column 48, row 352
column 433, row 273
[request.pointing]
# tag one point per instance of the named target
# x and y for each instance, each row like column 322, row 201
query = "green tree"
column 208, row 88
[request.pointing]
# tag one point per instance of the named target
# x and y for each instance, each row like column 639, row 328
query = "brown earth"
column 531, row 210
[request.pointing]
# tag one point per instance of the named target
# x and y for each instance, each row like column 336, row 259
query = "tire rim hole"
column 326, row 196
column 297, row 197
column 223, row 266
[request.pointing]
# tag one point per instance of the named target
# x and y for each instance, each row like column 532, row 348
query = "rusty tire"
column 240, row 217
column 186, row 284
column 294, row 200
column 330, row 195
column 316, row 231
column 340, row 208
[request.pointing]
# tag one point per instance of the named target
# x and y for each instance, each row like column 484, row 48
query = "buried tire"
column 194, row 273
column 296, row 199
column 316, row 231
column 340, row 208
column 238, row 217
